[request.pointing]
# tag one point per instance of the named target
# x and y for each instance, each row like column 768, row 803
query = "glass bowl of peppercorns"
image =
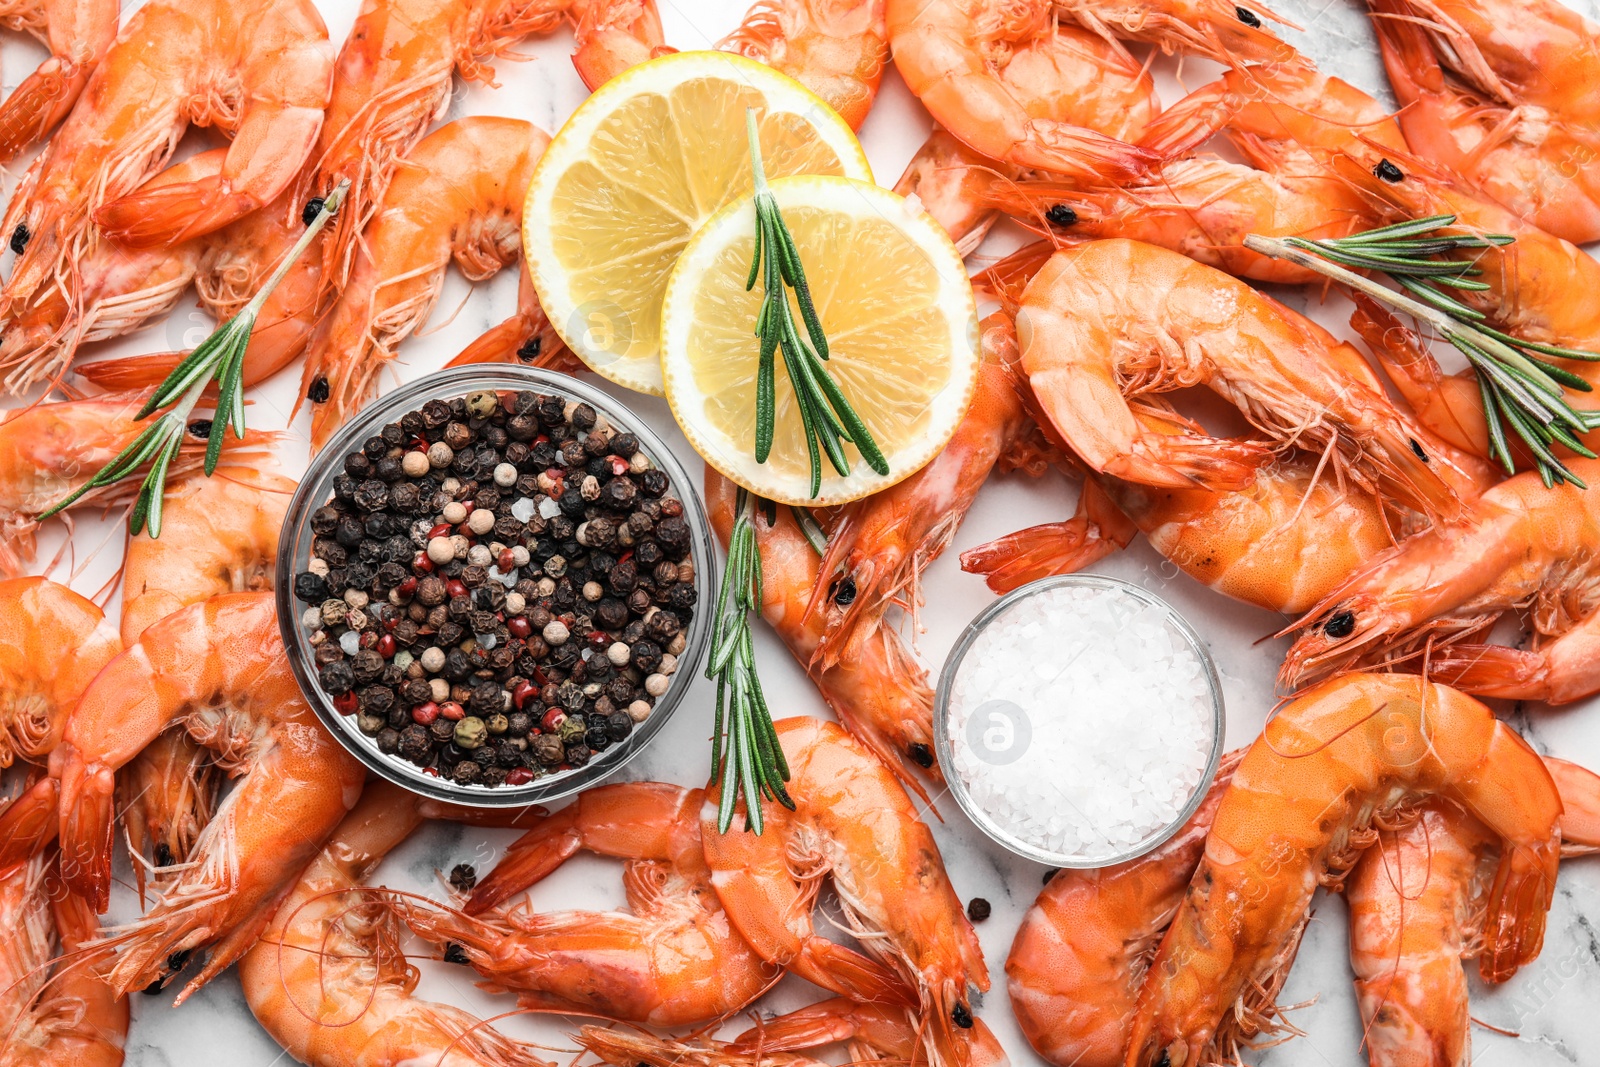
column 495, row 585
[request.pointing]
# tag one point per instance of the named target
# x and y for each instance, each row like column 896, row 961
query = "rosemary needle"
column 219, row 358
column 826, row 414
column 1520, row 390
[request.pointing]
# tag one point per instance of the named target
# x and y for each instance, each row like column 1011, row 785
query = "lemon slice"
column 898, row 313
column 636, row 170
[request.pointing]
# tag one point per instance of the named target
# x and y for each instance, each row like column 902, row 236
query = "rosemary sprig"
column 745, row 755
column 219, row 358
column 825, row 412
column 1520, row 390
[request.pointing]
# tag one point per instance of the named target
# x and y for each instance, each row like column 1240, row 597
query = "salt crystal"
column 522, row 508
column 549, row 508
column 1081, row 721
column 350, row 641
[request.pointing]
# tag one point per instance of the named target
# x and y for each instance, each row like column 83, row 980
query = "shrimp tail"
column 38, row 103
column 823, row 1023
column 167, row 215
column 1095, row 532
column 1513, row 929
column 88, row 811
column 1580, row 806
column 132, row 372
column 29, row 822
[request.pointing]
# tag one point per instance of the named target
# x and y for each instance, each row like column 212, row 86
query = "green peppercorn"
column 471, row 732
column 481, row 404
column 572, row 729
column 498, row 724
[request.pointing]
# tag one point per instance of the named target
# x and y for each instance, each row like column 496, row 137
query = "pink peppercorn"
column 425, row 713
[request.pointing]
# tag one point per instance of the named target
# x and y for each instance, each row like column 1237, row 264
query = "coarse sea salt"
column 1081, row 721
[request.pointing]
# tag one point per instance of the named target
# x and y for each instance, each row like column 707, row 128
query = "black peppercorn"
column 624, row 445
column 310, row 587
column 619, row 725
column 388, row 740
column 653, row 482
column 415, row 744
column 337, row 678
column 978, row 909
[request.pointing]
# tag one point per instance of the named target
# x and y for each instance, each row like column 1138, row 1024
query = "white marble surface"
column 1550, row 1005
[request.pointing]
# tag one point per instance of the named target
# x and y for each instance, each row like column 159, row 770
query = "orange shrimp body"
column 1019, row 89
column 854, row 823
column 1346, row 755
column 328, row 978
column 1522, row 544
column 671, row 960
column 1203, row 208
column 49, row 450
column 1521, row 157
column 1080, row 955
column 217, row 670
column 66, row 1019
column 219, row 534
column 259, row 70
column 877, row 689
column 881, row 545
column 52, row 644
column 77, row 32
column 1110, row 318
column 459, row 196
column 835, row 48
column 1416, row 904
column 950, row 180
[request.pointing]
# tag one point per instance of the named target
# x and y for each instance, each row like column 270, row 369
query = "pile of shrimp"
column 1364, row 507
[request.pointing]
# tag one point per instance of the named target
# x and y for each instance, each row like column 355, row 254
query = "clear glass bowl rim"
column 316, row 488
column 946, row 753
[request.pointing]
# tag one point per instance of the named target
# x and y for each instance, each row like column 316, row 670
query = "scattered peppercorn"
column 463, row 876
column 977, row 909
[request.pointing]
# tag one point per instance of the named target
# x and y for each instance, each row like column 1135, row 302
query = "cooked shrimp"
column 49, row 450
column 835, row 48
column 1014, row 86
column 1521, row 157
column 328, row 979
column 52, row 644
column 219, row 534
column 1280, row 543
column 1542, row 53
column 871, row 1032
column 876, row 689
column 77, row 32
column 1081, row 952
column 119, row 290
column 217, row 670
column 1110, row 318
column 949, row 180
column 852, row 823
column 1522, row 545
column 613, row 35
column 260, row 70
column 1203, row 208
column 1416, row 900
column 672, row 959
column 1283, row 103
column 167, row 795
column 1344, row 757
column 458, row 196
column 66, row 1019
column 1216, row 29
column 878, row 549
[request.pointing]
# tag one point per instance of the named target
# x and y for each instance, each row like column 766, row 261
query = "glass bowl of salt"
column 1079, row 721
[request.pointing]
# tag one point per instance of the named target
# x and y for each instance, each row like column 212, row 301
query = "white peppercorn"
column 589, row 488
column 440, row 455
column 450, row 485
column 639, row 711
column 556, row 632
column 519, row 556
column 479, row 555
column 546, row 586
column 319, row 567
column 356, row 598
column 668, row 664
column 455, row 513
column 618, row 654
column 440, row 550
column 433, row 660
column 311, row 618
column 656, row 684
column 593, row 591
column 461, row 545
column 415, row 464
column 676, row 646
column 440, row 688
column 516, row 604
column 505, row 475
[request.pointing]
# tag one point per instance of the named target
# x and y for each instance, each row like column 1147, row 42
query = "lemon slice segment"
column 637, row 169
column 896, row 307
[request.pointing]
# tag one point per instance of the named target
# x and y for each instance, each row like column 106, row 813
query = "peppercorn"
column 463, row 876
column 415, row 744
column 337, row 678
column 578, row 755
column 978, row 909
column 547, row 748
column 310, row 588
column 465, row 773
column 388, row 741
